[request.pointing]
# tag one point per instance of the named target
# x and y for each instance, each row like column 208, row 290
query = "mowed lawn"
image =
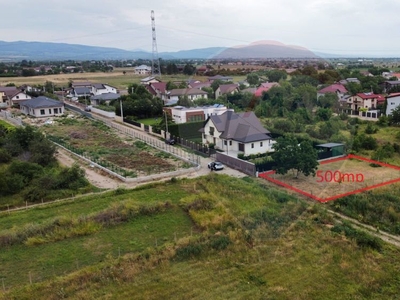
column 339, row 177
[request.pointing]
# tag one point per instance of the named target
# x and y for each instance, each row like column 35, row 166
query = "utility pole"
column 166, row 124
column 122, row 113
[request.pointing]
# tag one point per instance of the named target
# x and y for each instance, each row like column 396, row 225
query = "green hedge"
column 186, row 130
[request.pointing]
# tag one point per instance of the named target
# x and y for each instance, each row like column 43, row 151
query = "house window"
column 56, row 111
column 17, row 97
column 252, row 145
column 211, row 130
column 49, row 111
column 42, row 112
column 225, row 143
column 230, row 143
column 261, row 144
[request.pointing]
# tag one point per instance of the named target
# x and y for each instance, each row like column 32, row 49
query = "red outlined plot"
column 374, row 174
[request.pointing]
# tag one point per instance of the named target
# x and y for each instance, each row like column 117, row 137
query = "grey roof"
column 98, row 85
column 41, row 102
column 106, row 96
column 82, row 91
column 183, row 92
column 330, row 145
column 243, row 127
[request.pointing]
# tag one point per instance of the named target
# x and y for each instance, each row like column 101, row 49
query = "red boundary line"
column 266, row 175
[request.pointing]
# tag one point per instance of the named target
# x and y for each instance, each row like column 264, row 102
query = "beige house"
column 42, row 107
column 226, row 89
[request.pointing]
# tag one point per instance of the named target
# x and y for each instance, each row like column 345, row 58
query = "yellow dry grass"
column 351, row 175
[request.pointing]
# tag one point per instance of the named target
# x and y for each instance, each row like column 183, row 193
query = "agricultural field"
column 214, row 237
column 132, row 158
column 338, row 178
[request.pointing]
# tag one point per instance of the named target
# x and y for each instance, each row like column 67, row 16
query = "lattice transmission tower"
column 155, row 61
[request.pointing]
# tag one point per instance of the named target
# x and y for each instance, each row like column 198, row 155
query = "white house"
column 237, row 133
column 181, row 114
column 148, row 80
column 142, row 70
column 12, row 96
column 42, row 107
column 192, row 94
column 100, row 88
column 393, row 101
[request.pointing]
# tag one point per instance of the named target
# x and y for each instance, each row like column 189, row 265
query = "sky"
column 356, row 27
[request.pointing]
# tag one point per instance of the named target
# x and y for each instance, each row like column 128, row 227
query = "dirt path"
column 94, row 175
column 387, row 237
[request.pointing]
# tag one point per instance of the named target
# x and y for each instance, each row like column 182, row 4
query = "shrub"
column 370, row 129
column 189, row 251
column 220, row 242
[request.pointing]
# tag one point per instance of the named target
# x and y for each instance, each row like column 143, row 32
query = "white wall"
column 392, row 103
column 255, row 147
column 43, row 112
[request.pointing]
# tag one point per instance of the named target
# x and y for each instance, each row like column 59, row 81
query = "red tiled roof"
column 333, row 89
column 161, row 86
column 265, row 87
column 370, row 96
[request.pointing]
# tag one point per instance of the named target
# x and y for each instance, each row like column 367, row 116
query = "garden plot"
column 100, row 143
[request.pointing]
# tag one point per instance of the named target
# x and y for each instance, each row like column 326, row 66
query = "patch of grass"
column 48, row 260
column 150, row 121
column 256, row 243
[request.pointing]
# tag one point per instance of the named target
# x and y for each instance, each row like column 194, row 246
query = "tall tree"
column 290, row 155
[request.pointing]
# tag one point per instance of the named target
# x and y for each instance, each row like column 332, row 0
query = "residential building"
column 265, row 87
column 192, row 94
column 105, row 98
column 393, row 101
column 365, row 104
column 158, row 89
column 220, row 77
column 42, row 107
column 237, row 133
column 389, row 85
column 101, row 88
column 11, row 95
column 349, row 80
column 182, row 114
column 83, row 91
column 80, row 84
column 142, row 70
column 226, row 89
column 337, row 88
column 149, row 79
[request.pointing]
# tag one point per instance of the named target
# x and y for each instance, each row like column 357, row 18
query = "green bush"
column 220, row 242
column 189, row 251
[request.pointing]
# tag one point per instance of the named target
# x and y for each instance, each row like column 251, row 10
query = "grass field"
column 51, row 259
column 338, row 177
column 255, row 243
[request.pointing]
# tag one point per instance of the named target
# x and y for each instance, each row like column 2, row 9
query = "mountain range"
column 15, row 51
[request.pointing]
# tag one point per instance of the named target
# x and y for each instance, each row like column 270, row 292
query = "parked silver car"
column 215, row 165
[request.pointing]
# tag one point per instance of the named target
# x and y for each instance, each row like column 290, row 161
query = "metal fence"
column 9, row 117
column 152, row 141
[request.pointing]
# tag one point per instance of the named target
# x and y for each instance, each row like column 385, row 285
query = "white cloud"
column 367, row 26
